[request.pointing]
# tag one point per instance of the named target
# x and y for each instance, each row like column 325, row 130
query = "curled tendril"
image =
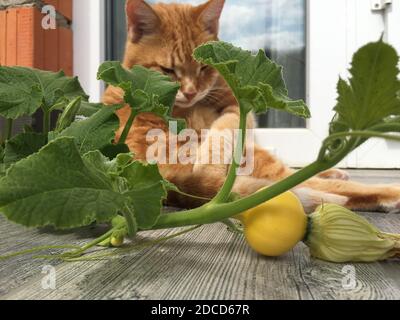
column 340, row 144
column 333, row 146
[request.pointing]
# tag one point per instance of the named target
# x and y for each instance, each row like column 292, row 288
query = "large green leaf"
column 145, row 90
column 56, row 187
column 110, row 168
column 87, row 109
column 141, row 183
column 1, row 152
column 140, row 78
column 146, row 190
column 371, row 95
column 256, row 81
column 3, row 169
column 22, row 146
column 2, row 165
column 93, row 133
column 24, row 90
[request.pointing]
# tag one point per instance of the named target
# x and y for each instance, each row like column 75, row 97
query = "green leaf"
column 2, row 165
column 131, row 223
column 147, row 191
column 22, row 146
column 93, row 133
column 141, row 183
column 3, row 170
column 88, row 109
column 371, row 95
column 140, row 78
column 145, row 90
column 256, row 81
column 112, row 168
column 24, row 90
column 113, row 150
column 145, row 102
column 1, row 152
column 57, row 187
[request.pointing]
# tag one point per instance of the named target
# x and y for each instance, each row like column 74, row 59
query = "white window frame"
column 89, row 44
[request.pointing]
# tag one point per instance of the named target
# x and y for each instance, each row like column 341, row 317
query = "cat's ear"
column 209, row 14
column 141, row 19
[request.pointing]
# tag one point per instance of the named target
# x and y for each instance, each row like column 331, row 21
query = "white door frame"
column 89, row 44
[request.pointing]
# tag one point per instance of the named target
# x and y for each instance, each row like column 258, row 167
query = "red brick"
column 51, row 45
column 65, row 8
column 3, row 37
column 65, row 50
column 52, row 2
column 24, row 42
column 38, row 44
column 11, row 42
column 25, row 37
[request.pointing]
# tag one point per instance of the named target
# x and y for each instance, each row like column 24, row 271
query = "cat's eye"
column 167, row 70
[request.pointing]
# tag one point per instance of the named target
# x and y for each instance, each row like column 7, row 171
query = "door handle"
column 380, row 5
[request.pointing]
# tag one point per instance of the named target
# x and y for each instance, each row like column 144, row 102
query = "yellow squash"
column 276, row 226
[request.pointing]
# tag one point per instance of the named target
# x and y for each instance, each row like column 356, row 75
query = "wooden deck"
column 210, row 263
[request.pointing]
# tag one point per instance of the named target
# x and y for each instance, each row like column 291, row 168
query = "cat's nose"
column 190, row 95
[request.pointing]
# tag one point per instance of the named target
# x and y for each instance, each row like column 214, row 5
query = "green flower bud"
column 338, row 235
column 68, row 115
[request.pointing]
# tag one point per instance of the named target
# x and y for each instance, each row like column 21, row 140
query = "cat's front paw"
column 391, row 204
column 335, row 174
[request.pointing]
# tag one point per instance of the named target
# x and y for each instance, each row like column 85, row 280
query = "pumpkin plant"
column 75, row 175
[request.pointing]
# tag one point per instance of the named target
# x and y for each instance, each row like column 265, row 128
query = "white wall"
column 89, row 44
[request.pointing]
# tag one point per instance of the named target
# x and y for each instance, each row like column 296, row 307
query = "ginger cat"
column 162, row 37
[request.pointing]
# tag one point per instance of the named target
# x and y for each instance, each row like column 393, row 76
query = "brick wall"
column 24, row 42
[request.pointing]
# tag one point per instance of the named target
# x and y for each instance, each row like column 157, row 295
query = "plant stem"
column 387, row 127
column 364, row 134
column 226, row 189
column 128, row 249
column 129, row 216
column 9, row 129
column 46, row 121
column 34, row 250
column 187, row 195
column 89, row 245
column 127, row 128
column 232, row 226
column 216, row 212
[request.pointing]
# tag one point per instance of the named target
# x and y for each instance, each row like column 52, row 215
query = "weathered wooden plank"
column 18, row 271
column 376, row 176
column 209, row 263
